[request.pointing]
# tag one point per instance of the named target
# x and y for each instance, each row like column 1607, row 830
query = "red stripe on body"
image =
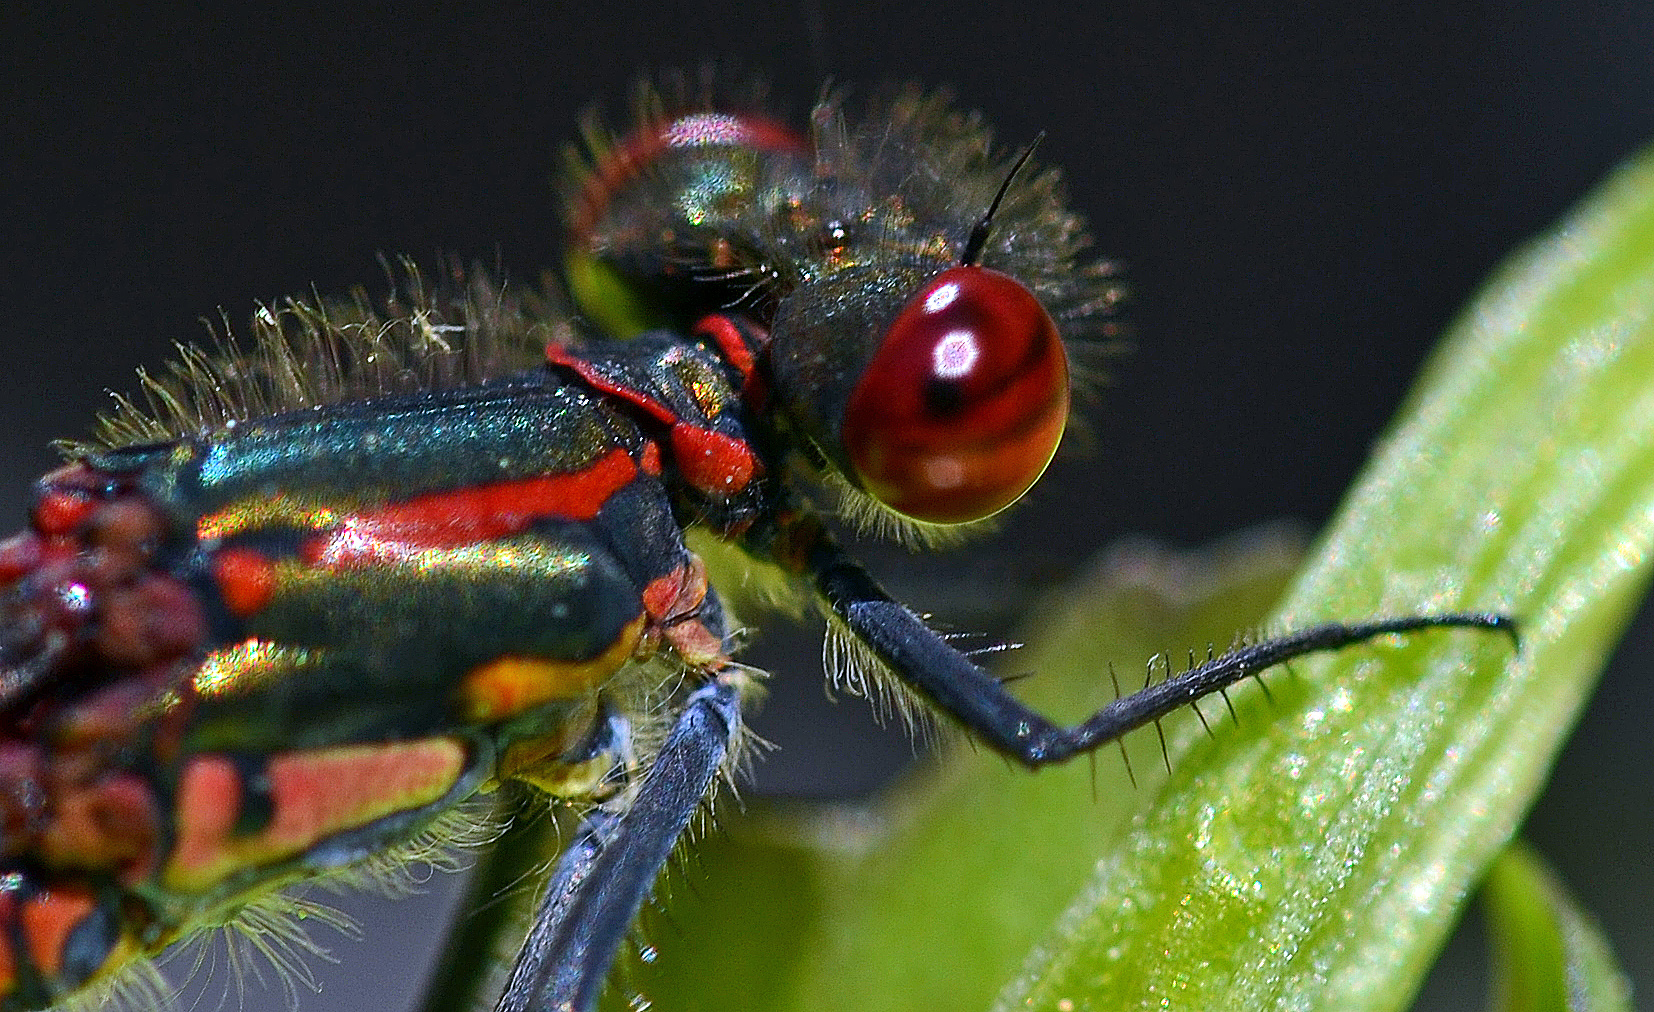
column 722, row 332
column 313, row 795
column 469, row 516
column 709, row 460
column 556, row 354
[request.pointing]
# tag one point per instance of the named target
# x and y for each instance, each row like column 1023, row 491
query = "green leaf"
column 1314, row 853
column 1548, row 955
column 1318, row 860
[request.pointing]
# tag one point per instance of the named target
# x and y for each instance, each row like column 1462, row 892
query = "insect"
column 292, row 613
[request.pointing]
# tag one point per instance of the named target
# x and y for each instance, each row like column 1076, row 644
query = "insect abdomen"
column 276, row 648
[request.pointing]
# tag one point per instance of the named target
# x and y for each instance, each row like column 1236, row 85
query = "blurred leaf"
column 1548, row 955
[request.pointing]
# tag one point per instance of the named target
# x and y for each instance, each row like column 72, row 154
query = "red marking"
column 209, row 799
column 110, row 825
column 673, row 601
column 731, row 341
column 19, row 554
column 723, row 333
column 711, row 461
column 556, row 354
column 8, row 958
column 717, row 464
column 47, row 918
column 59, row 511
column 676, row 594
column 313, row 795
column 632, row 155
column 468, row 516
column 246, row 580
column 321, row 792
column 650, row 463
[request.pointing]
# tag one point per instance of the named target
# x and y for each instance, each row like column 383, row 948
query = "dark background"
column 1303, row 199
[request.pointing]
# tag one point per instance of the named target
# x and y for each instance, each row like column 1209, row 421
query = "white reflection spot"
column 944, row 472
column 76, row 597
column 955, row 355
column 942, row 297
column 705, row 129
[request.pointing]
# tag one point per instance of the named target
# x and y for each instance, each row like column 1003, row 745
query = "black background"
column 1303, row 198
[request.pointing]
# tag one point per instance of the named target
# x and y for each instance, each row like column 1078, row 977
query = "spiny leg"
column 610, row 867
column 978, row 700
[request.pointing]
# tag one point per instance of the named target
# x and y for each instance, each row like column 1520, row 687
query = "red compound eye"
column 963, row 404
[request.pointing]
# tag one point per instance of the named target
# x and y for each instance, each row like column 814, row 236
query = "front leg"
column 608, row 870
column 975, row 698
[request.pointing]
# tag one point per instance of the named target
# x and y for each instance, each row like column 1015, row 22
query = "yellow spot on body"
column 248, row 665
column 507, row 686
column 258, row 513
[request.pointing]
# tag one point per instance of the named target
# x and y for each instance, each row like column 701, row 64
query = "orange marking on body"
column 47, row 918
column 110, row 825
column 246, row 580
column 711, row 461
column 209, row 798
column 469, row 515
column 8, row 958
column 673, row 600
column 314, row 794
column 508, row 686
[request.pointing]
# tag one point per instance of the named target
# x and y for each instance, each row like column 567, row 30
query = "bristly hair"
column 852, row 666
column 308, row 352
column 915, row 174
column 910, row 170
column 931, row 171
column 897, row 184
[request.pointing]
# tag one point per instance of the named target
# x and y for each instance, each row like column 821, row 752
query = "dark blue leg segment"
column 609, row 869
column 975, row 698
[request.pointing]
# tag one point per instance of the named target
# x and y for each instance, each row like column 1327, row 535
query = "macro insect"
column 287, row 613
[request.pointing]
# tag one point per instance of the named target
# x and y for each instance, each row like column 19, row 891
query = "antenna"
column 984, row 224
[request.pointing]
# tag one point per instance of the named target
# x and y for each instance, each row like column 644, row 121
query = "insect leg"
column 976, row 698
column 608, row 870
